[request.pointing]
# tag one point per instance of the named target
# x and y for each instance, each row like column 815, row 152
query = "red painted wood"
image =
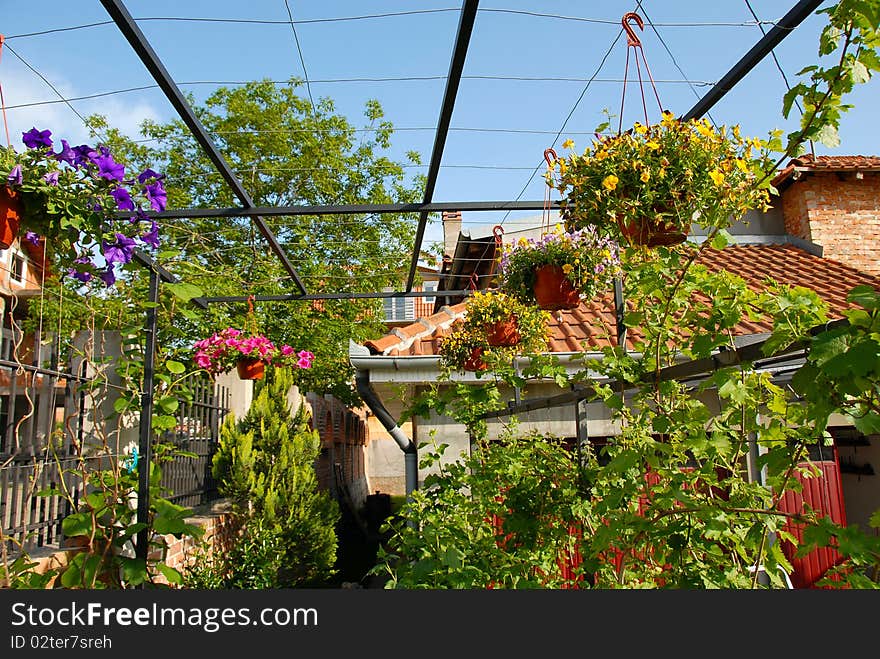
column 824, row 494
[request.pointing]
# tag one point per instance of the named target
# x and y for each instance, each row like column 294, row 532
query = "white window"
column 16, row 269
column 429, row 286
column 398, row 308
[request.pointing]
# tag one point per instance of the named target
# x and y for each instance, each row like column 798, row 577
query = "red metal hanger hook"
column 631, row 37
column 498, row 232
column 473, row 283
column 250, row 302
column 547, row 154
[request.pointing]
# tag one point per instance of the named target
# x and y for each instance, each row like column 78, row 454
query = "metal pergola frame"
column 139, row 43
column 141, row 46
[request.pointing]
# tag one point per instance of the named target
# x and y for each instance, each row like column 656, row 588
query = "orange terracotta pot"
column 503, row 333
column 250, row 368
column 651, row 232
column 475, row 361
column 553, row 290
column 10, row 215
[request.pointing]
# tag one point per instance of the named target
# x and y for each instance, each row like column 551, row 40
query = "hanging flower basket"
column 250, row 368
column 559, row 269
column 647, row 186
column 10, row 215
column 553, row 290
column 503, row 332
column 249, row 354
column 496, row 328
column 475, row 361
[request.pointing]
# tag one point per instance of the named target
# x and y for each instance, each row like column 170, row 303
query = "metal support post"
column 146, row 419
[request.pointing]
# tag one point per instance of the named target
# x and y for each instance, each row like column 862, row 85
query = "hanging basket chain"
column 550, row 157
column 633, row 41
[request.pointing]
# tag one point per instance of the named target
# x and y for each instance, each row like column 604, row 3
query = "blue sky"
column 504, row 117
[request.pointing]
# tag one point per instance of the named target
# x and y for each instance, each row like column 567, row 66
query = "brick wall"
column 840, row 212
column 344, row 435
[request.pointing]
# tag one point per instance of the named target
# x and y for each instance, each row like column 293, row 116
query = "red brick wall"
column 839, row 212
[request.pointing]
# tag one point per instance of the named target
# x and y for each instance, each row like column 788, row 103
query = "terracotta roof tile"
column 827, row 163
column 591, row 326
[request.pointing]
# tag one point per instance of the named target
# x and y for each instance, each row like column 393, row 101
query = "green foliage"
column 842, row 372
column 102, row 530
column 499, row 519
column 265, row 465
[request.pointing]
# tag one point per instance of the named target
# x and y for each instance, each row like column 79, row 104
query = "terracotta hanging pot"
column 553, row 290
column 503, row 333
column 475, row 361
column 652, row 232
column 250, row 368
column 10, row 215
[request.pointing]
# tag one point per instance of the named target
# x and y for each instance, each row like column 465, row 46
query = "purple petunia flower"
column 151, row 238
column 33, row 238
column 123, row 199
column 51, row 178
column 66, row 154
column 83, row 155
column 156, row 194
column 149, row 173
column 120, row 251
column 35, row 138
column 109, row 168
column 15, row 176
column 84, row 277
column 108, row 276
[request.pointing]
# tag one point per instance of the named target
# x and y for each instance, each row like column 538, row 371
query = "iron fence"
column 57, row 425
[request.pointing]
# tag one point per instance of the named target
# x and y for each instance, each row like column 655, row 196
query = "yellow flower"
column 704, row 129
column 653, row 145
column 668, row 119
column 610, row 182
column 717, row 176
column 741, row 165
column 523, row 242
column 568, row 144
column 640, row 129
column 567, row 268
column 646, row 176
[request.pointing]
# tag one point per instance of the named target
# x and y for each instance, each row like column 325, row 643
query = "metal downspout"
column 410, row 452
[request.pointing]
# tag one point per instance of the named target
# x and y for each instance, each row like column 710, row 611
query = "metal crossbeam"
column 349, row 209
column 327, row 296
column 148, row 56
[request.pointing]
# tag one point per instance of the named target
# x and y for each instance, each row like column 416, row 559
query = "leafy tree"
column 286, row 153
column 265, row 465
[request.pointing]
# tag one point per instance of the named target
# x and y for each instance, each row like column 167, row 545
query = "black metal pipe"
column 377, row 407
column 348, row 209
column 759, row 51
column 456, row 66
column 151, row 61
column 146, row 419
column 287, row 297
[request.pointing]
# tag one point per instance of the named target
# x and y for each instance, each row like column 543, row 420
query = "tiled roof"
column 828, row 163
column 591, row 325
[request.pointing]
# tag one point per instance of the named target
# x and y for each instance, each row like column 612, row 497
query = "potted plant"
column 559, row 269
column 67, row 200
column 648, row 185
column 496, row 327
column 248, row 353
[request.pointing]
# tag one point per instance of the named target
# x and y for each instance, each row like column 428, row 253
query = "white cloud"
column 22, row 87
